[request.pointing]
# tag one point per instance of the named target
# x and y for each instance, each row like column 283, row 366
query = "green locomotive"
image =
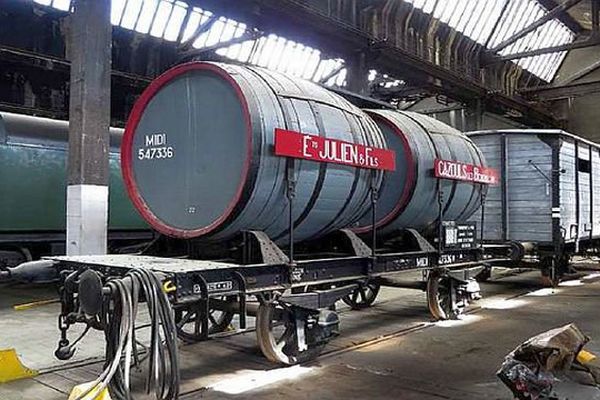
column 33, row 157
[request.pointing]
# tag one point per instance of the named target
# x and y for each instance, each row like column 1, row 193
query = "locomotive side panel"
column 34, row 181
column 32, row 171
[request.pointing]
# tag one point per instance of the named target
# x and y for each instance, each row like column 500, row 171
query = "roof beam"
column 248, row 35
column 552, row 14
column 578, row 44
column 556, row 92
column 333, row 73
column 299, row 21
column 199, row 31
column 564, row 17
column 359, row 99
column 60, row 66
column 581, row 73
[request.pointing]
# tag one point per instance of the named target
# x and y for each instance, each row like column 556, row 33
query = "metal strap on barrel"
column 483, row 196
column 374, row 198
column 242, row 297
column 440, row 216
column 290, row 193
column 205, row 303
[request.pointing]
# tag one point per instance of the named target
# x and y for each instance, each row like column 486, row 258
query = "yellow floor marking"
column 11, row 367
column 27, row 306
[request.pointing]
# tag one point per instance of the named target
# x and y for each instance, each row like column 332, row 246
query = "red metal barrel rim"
column 127, row 144
column 410, row 175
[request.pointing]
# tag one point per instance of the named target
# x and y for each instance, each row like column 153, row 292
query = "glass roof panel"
column 477, row 19
column 64, row 5
column 162, row 17
column 146, row 17
column 174, row 25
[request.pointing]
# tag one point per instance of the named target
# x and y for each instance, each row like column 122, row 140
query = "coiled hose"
column 120, row 311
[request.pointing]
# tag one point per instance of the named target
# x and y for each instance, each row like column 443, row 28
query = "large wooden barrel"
column 198, row 158
column 409, row 195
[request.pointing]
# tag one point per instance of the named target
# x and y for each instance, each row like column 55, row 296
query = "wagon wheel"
column 442, row 303
column 189, row 320
column 364, row 296
column 277, row 335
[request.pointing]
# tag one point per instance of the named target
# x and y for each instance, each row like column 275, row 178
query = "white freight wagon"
column 547, row 202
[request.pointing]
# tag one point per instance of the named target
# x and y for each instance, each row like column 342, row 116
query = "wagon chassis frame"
column 306, row 285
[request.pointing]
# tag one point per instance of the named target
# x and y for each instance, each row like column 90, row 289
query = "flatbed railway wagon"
column 547, row 205
column 276, row 198
column 32, row 206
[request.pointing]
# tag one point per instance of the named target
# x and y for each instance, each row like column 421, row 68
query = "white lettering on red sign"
column 317, row 148
column 446, row 169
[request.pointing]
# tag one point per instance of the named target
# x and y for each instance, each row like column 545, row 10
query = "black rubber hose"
column 119, row 313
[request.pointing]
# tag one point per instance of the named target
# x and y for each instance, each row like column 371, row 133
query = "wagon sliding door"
column 584, row 195
column 576, row 166
column 595, row 178
column 529, row 191
column 494, row 223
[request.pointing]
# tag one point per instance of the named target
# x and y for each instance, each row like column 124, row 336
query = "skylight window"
column 163, row 13
column 477, row 19
column 63, row 5
column 146, row 17
column 175, row 20
column 173, row 27
column 131, row 13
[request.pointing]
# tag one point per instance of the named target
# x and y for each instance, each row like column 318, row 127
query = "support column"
column 89, row 119
column 474, row 115
column 357, row 76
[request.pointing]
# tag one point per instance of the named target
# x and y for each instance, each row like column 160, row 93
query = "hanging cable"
column 120, row 310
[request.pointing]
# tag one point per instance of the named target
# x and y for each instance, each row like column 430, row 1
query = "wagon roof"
column 18, row 127
column 533, row 131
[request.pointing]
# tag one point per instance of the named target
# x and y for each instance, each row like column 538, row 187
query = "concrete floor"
column 391, row 350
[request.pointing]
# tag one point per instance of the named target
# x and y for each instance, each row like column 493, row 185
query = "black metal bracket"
column 351, row 242
column 241, row 298
column 259, row 248
column 318, row 299
column 463, row 275
column 422, row 243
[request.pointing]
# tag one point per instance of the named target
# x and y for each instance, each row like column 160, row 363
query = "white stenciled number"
column 156, row 153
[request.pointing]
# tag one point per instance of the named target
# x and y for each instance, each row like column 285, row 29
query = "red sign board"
column 446, row 169
column 317, row 148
